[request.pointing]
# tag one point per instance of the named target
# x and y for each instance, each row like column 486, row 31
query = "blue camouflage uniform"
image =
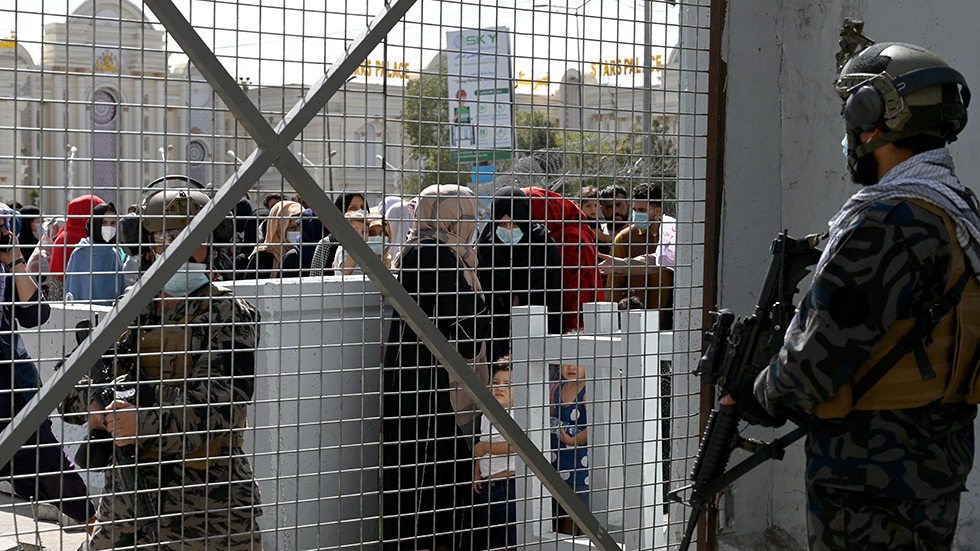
column 886, row 477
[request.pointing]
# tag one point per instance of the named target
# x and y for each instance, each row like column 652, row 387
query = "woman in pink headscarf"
column 427, row 463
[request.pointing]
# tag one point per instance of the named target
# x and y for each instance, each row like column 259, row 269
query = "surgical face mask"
column 189, row 278
column 292, row 237
column 108, row 234
column 36, row 230
column 377, row 244
column 509, row 235
column 843, row 145
column 641, row 220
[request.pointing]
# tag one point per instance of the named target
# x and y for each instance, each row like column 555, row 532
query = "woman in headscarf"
column 278, row 256
column 30, row 229
column 427, row 465
column 343, row 263
column 351, row 201
column 94, row 272
column 400, row 216
column 79, row 213
column 571, row 230
column 39, row 469
column 518, row 265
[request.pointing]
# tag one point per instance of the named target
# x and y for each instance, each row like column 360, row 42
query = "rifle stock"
column 737, row 352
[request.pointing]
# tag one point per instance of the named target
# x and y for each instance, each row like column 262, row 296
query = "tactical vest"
column 163, row 356
column 947, row 370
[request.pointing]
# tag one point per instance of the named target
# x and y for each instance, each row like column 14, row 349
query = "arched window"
column 105, row 136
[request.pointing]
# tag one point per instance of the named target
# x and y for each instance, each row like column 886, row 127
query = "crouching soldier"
column 173, row 396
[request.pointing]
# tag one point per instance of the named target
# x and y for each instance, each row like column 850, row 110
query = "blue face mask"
column 377, row 244
column 189, row 278
column 512, row 235
column 641, row 220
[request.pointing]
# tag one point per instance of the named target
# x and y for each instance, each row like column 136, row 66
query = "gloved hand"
column 750, row 410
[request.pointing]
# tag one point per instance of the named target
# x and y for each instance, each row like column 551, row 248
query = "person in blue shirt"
column 94, row 271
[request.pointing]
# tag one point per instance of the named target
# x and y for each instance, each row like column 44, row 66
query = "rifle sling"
column 912, row 342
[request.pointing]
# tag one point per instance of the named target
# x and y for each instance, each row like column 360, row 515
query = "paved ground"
column 28, row 527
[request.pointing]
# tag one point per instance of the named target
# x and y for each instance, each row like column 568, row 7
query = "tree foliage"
column 560, row 159
column 426, row 124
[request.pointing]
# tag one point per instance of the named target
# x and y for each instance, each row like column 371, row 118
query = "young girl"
column 569, row 439
column 494, row 470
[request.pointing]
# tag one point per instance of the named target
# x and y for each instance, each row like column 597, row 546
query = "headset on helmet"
column 906, row 88
column 169, row 202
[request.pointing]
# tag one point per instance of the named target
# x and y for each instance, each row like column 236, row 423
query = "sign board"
column 480, row 83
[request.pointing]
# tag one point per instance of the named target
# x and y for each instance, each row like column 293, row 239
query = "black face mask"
column 865, row 171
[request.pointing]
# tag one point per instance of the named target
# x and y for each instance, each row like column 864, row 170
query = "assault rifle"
column 99, row 450
column 738, row 350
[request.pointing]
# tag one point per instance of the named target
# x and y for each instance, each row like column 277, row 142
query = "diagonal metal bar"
column 272, row 149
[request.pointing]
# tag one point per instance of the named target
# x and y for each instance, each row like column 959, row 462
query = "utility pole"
column 647, row 82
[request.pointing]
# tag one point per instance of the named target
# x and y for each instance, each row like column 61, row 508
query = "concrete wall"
column 784, row 169
column 314, row 427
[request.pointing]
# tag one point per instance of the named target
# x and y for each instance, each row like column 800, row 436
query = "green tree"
column 426, row 123
column 534, row 132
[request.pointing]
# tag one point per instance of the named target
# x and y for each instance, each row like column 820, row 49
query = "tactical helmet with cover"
column 906, row 88
column 170, row 210
column 168, row 204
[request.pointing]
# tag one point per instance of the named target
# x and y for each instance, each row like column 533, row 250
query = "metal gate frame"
column 272, row 148
column 714, row 188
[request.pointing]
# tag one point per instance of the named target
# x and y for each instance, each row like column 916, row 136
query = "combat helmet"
column 168, row 204
column 906, row 88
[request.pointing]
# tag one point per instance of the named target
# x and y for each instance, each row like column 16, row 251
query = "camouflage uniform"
column 201, row 504
column 903, row 468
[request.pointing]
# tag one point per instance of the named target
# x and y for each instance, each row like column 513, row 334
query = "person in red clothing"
column 576, row 239
column 79, row 213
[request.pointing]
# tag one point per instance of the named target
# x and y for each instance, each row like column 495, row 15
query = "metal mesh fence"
column 337, row 275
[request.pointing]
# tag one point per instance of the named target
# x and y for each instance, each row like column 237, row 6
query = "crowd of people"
column 536, row 248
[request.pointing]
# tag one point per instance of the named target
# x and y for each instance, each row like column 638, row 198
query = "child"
column 494, row 470
column 569, row 439
column 588, row 201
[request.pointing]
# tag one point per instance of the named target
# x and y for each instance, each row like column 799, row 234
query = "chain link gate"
column 377, row 100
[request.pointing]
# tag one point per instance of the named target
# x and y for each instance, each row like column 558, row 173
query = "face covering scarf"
column 190, row 277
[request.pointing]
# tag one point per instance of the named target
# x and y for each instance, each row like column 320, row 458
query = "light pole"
column 235, row 157
column 309, row 163
column 71, row 165
column 398, row 170
column 164, row 153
